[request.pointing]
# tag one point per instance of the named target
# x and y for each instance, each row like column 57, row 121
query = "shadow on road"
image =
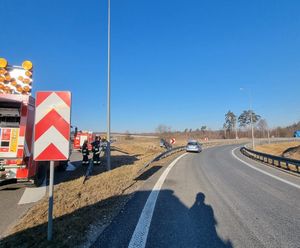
column 183, row 226
column 173, row 224
column 205, row 224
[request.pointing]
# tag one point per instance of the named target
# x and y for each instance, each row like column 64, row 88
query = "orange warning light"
column 3, row 62
column 28, row 73
column 26, row 89
column 26, row 81
column 7, row 77
column 27, row 65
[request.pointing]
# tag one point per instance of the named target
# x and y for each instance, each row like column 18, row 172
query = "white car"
column 193, row 146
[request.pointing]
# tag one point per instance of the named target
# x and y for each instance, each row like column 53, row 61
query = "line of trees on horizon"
column 233, row 127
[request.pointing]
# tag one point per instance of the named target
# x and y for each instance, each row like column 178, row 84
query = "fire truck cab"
column 17, row 113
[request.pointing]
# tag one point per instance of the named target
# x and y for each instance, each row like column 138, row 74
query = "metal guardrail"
column 281, row 162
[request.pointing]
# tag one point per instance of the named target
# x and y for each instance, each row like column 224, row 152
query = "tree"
column 203, row 128
column 224, row 129
column 128, row 135
column 230, row 121
column 161, row 129
column 245, row 118
column 262, row 125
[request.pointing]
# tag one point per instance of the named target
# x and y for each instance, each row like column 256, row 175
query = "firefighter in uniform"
column 96, row 151
column 85, row 153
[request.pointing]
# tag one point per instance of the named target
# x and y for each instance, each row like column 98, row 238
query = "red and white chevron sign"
column 52, row 126
column 172, row 141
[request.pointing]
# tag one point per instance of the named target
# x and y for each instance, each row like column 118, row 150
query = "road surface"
column 211, row 199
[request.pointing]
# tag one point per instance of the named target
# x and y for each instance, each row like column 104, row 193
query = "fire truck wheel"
column 41, row 174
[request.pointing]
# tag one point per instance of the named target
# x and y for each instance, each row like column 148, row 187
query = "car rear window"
column 192, row 144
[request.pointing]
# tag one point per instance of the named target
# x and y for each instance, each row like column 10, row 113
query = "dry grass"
column 77, row 206
column 279, row 148
column 293, row 152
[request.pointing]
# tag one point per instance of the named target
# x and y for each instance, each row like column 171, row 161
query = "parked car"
column 193, row 146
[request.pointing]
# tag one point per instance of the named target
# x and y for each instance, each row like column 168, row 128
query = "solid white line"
column 264, row 172
column 139, row 237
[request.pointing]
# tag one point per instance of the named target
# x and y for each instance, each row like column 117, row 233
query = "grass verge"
column 79, row 206
column 279, row 149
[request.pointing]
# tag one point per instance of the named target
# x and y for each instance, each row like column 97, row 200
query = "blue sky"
column 178, row 63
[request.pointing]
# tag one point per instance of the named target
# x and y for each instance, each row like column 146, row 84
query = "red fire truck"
column 80, row 137
column 17, row 110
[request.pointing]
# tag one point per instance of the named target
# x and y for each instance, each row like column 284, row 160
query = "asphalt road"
column 212, row 199
column 10, row 210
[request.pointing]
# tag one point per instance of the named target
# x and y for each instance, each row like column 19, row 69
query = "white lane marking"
column 264, row 172
column 139, row 237
column 31, row 195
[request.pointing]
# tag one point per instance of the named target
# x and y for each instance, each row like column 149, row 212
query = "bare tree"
column 128, row 136
column 262, row 126
column 224, row 129
column 161, row 129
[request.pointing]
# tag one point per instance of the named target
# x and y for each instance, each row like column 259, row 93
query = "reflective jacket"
column 96, row 147
column 85, row 150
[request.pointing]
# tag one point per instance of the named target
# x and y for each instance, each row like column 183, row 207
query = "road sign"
column 172, row 141
column 52, row 135
column 52, row 126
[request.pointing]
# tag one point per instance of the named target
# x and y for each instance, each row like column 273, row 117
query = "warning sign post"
column 52, row 135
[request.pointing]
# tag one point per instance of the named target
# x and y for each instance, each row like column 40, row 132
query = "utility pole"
column 108, row 89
